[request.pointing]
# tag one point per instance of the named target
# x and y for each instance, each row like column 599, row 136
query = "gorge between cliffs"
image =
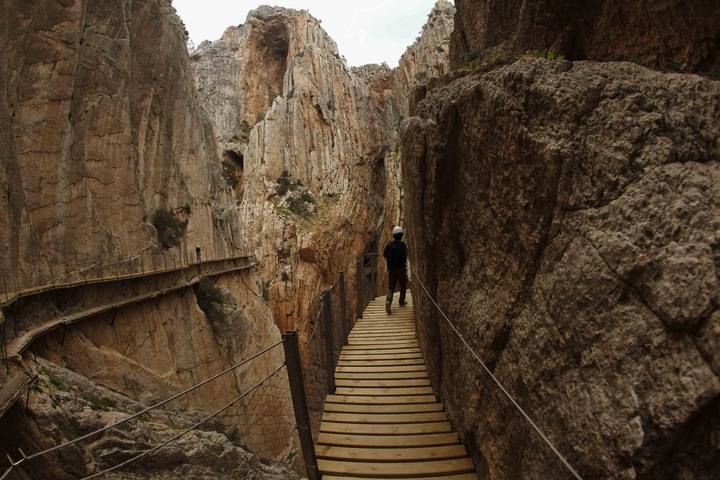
column 168, row 213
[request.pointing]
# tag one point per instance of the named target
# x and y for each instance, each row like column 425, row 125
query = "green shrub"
column 99, row 403
column 546, row 54
column 170, row 229
column 472, row 65
column 298, row 206
column 283, row 184
column 210, row 300
column 307, row 197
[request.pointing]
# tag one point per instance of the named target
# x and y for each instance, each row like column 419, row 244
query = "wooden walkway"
column 383, row 421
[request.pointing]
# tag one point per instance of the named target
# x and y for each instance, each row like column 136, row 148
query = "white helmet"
column 397, row 230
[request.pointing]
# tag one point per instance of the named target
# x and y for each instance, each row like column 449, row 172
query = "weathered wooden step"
column 387, row 441
column 462, row 476
column 381, row 392
column 397, row 470
column 404, row 408
column 377, row 363
column 374, row 357
column 381, row 369
column 381, row 400
column 385, row 429
column 441, row 452
column 379, row 351
column 383, row 383
column 380, row 346
column 384, row 418
column 381, row 376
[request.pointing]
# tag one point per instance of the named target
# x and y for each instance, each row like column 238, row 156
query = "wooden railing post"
column 329, row 348
column 297, row 392
column 343, row 308
column 359, row 289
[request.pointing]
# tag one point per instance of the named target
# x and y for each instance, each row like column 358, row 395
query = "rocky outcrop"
column 566, row 216
column 63, row 404
column 669, row 34
column 100, row 127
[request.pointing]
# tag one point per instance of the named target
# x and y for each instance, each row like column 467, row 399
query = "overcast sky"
column 368, row 31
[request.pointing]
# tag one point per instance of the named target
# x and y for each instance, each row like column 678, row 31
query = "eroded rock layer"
column 566, row 216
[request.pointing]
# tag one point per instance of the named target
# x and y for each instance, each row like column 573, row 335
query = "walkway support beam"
column 297, row 392
column 329, row 333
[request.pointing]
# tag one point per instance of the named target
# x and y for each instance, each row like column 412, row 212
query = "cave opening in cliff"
column 274, row 46
column 236, row 158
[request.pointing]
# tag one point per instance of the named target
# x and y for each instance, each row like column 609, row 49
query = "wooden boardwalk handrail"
column 18, row 345
column 10, row 297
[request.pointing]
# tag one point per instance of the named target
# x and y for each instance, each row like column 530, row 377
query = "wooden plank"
column 397, row 470
column 383, row 343
column 385, row 356
column 381, row 369
column 381, row 376
column 384, row 418
column 351, row 347
column 383, row 334
column 406, row 408
column 385, row 429
column 398, row 330
column 462, row 476
column 382, row 392
column 383, row 383
column 443, row 452
column 379, row 351
column 381, row 400
column 387, row 441
column 377, row 363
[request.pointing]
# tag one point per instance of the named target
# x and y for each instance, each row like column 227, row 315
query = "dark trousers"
column 395, row 277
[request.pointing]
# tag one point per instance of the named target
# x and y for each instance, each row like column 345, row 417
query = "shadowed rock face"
column 567, row 217
column 671, row 34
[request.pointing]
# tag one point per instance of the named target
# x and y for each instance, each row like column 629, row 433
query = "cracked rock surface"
column 578, row 251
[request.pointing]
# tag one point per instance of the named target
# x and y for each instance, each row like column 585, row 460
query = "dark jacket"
column 396, row 253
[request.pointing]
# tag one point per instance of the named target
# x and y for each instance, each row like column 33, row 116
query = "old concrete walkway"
column 383, row 421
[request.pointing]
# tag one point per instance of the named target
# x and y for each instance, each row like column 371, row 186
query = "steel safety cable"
column 537, row 429
column 184, row 432
column 150, row 408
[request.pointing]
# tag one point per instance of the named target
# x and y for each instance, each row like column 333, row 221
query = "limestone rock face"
column 567, row 218
column 63, row 403
column 311, row 145
column 99, row 127
column 672, row 34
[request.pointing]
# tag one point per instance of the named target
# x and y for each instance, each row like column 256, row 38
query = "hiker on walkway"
column 395, row 254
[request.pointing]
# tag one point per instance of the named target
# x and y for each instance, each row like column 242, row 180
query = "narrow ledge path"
column 383, row 421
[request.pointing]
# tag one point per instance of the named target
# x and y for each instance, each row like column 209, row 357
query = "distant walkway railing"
column 328, row 314
column 18, row 344
column 110, row 272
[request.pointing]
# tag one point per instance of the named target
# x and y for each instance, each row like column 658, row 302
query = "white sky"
column 369, row 31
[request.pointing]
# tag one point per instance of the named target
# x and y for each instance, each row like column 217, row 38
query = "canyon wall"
column 308, row 151
column 566, row 217
column 670, row 34
column 100, row 128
